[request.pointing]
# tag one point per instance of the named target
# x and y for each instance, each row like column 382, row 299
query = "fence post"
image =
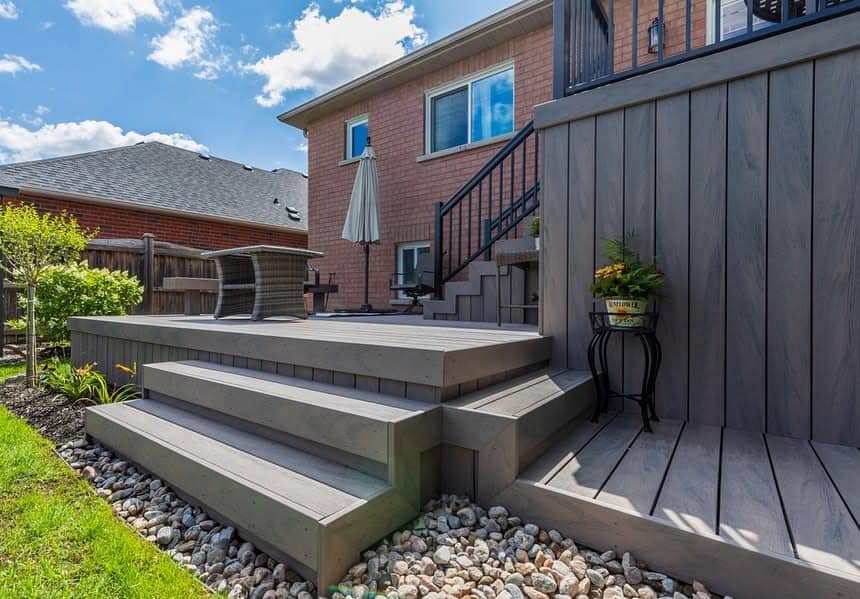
column 2, row 307
column 148, row 271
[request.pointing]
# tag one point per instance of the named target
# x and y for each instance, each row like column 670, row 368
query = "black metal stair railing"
column 487, row 208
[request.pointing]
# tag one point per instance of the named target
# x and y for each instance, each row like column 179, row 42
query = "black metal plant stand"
column 645, row 328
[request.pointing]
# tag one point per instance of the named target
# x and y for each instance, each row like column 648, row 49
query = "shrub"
column 75, row 289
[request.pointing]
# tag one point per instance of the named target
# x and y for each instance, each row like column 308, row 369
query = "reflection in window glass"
column 493, row 105
column 733, row 19
column 450, row 124
column 358, row 139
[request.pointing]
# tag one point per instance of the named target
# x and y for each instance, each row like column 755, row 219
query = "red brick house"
column 424, row 113
column 180, row 196
column 428, row 144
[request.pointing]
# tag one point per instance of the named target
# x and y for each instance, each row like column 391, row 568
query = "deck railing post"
column 437, row 249
column 148, row 272
column 560, row 48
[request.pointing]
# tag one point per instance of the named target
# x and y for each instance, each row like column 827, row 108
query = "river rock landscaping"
column 456, row 549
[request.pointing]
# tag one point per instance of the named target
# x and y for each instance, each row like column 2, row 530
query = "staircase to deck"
column 315, row 472
column 484, row 215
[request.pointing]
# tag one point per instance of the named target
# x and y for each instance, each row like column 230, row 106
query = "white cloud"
column 8, row 10
column 12, row 63
column 191, row 42
column 302, row 147
column 328, row 52
column 18, row 143
column 115, row 15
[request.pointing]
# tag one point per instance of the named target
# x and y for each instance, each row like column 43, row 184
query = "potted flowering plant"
column 626, row 284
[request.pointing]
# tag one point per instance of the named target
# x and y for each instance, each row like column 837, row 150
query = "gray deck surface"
column 311, row 485
column 400, row 348
column 762, row 492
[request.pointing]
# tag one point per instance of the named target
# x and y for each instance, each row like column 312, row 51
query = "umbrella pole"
column 366, row 307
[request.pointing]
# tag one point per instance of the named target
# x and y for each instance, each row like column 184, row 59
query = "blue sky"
column 79, row 75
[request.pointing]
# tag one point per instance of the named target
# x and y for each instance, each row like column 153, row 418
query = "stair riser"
column 537, row 430
column 251, row 509
column 376, row 469
column 348, row 433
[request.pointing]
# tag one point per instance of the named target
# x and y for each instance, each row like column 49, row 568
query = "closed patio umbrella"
column 362, row 218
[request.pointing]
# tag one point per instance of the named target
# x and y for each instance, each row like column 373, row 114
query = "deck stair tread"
column 309, row 484
column 523, row 394
column 350, row 420
column 385, row 408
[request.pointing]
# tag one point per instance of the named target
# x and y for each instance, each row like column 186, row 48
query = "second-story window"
column 475, row 109
column 356, row 136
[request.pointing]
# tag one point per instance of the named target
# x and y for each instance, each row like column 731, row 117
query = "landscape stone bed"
column 453, row 550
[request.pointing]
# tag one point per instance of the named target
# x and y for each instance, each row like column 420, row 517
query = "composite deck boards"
column 750, row 515
column 843, row 465
column 690, row 493
column 548, row 465
column 586, row 473
column 822, row 527
column 637, row 479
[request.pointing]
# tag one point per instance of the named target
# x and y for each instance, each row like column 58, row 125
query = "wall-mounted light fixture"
column 655, row 36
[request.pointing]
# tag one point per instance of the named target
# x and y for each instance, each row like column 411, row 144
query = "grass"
column 10, row 370
column 58, row 540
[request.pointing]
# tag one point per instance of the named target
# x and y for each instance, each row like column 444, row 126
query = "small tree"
column 30, row 243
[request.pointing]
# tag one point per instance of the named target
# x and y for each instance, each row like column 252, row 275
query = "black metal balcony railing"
column 600, row 41
column 487, row 208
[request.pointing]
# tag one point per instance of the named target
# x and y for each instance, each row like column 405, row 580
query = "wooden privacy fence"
column 147, row 259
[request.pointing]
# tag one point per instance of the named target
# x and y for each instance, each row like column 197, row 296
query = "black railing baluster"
column 460, row 233
column 469, row 235
column 662, row 30
column 450, row 238
column 480, row 209
column 635, row 27
column 610, row 66
column 688, row 34
column 718, row 14
column 513, row 184
column 586, row 35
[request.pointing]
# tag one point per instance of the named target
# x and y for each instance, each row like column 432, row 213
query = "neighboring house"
column 435, row 117
column 180, row 196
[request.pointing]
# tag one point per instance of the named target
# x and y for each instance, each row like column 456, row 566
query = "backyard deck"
column 400, row 354
column 782, row 513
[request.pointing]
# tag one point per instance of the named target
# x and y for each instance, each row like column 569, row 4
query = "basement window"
column 407, row 262
column 471, row 110
column 356, row 136
column 733, row 19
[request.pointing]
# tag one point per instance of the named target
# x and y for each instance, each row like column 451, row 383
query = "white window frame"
column 351, row 124
column 411, row 245
column 710, row 21
column 464, row 82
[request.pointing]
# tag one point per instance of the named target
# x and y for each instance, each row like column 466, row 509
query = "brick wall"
column 408, row 189
column 126, row 223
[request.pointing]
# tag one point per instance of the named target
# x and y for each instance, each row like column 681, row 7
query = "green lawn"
column 7, row 371
column 58, row 540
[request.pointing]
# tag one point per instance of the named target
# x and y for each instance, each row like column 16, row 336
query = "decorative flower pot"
column 622, row 312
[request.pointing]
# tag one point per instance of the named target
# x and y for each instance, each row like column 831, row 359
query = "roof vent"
column 140, row 143
column 276, row 201
column 294, row 217
column 292, row 210
column 204, row 156
column 247, row 168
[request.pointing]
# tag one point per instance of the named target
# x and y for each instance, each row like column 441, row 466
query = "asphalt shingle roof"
column 165, row 177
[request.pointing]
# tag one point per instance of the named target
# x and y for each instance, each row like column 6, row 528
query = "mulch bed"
column 53, row 416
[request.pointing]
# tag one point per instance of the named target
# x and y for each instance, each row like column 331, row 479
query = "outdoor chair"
column 422, row 282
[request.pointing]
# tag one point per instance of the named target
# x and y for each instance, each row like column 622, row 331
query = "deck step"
column 296, row 505
column 353, row 421
column 511, row 423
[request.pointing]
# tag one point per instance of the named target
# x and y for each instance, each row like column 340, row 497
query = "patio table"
column 261, row 280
